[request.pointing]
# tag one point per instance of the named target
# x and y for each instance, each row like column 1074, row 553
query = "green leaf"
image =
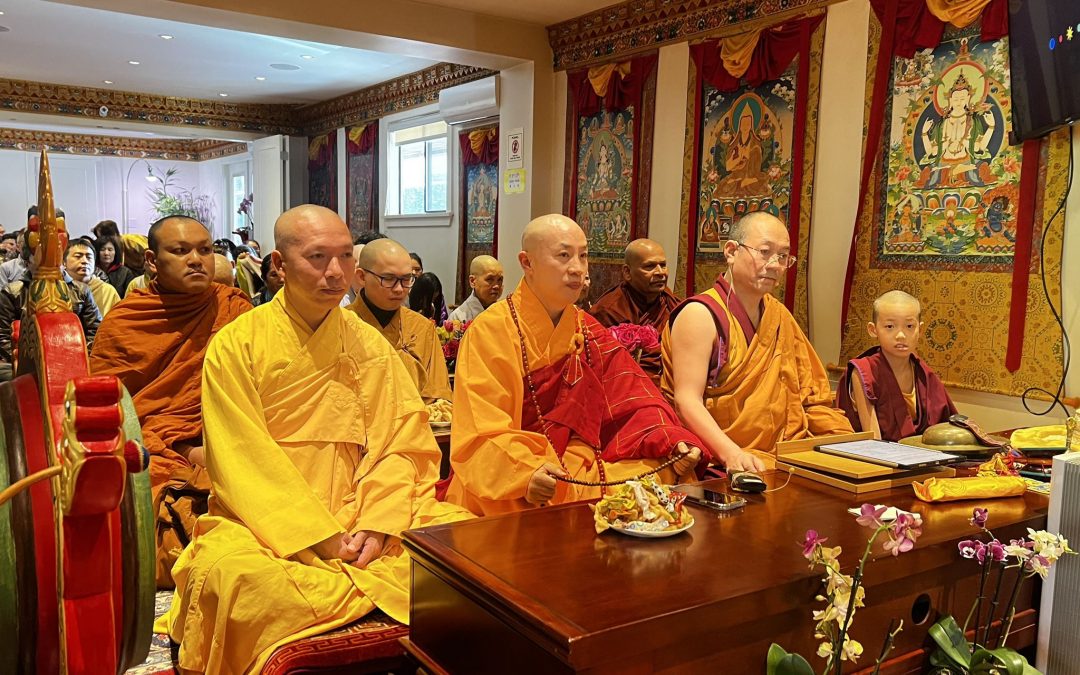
column 779, row 662
column 950, row 638
column 993, row 661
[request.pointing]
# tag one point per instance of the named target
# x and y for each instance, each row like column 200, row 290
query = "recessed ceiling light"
column 222, row 94
column 107, row 81
column 4, row 29
column 165, row 37
column 260, row 78
column 1, row 14
column 284, row 66
column 133, row 63
column 307, row 56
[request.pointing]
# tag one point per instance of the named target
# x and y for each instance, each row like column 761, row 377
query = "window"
column 422, row 169
column 237, row 188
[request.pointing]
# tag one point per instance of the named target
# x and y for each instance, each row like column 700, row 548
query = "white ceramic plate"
column 648, row 534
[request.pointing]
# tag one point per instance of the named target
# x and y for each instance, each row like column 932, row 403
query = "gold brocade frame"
column 976, row 360
column 705, row 272
column 182, row 150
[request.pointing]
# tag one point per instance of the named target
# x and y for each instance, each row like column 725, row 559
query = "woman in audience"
column 426, row 298
column 110, row 261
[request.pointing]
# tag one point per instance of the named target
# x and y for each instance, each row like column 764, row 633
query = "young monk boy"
column 888, row 389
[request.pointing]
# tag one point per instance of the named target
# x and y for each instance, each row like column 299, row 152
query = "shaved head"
column 898, row 300
column 381, row 249
column 743, row 226
column 291, row 225
column 640, row 249
column 223, row 270
column 555, row 260
column 482, row 263
column 552, row 226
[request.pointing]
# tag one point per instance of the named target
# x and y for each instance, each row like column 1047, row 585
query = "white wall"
column 90, row 189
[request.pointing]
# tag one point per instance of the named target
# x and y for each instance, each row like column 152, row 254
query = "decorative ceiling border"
column 637, row 25
column 108, row 104
column 409, row 91
column 118, row 146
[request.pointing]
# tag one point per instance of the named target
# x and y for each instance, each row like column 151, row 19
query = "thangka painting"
column 746, row 156
column 951, row 180
column 943, row 219
column 605, row 180
column 362, row 177
column 481, row 202
column 322, row 170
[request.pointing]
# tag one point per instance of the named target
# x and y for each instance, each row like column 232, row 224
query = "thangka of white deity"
column 481, row 202
column 605, row 179
column 951, row 179
column 745, row 155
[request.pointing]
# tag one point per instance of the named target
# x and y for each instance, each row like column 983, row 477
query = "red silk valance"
column 775, row 49
column 623, row 89
column 480, row 146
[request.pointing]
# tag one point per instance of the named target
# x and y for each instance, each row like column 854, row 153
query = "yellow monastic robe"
column 307, row 435
column 413, row 337
column 771, row 387
column 105, row 296
column 493, row 457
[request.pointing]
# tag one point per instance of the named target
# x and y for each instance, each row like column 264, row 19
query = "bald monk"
column 642, row 298
column 486, row 282
column 888, row 389
column 385, row 270
column 154, row 341
column 544, row 391
column 741, row 372
column 320, row 457
column 223, row 271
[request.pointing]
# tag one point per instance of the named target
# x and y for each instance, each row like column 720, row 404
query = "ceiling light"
column 4, row 29
column 222, row 94
column 1, row 14
column 307, row 56
column 133, row 63
column 165, row 37
column 260, row 78
column 107, row 81
column 284, row 66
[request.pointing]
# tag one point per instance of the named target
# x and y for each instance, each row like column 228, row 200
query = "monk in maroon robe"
column 642, row 298
column 544, row 392
column 888, row 389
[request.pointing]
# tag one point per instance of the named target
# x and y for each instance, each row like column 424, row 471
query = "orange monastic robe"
column 154, row 343
column 613, row 408
column 622, row 304
column 765, row 385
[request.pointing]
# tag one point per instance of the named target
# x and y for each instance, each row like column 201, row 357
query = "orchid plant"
column 844, row 594
column 1030, row 556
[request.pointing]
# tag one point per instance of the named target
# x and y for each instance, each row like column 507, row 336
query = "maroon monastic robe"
column 623, row 304
column 932, row 403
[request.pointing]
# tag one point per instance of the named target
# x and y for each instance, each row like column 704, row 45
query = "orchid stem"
column 1010, row 612
column 838, row 648
column 887, row 647
column 977, row 607
column 993, row 607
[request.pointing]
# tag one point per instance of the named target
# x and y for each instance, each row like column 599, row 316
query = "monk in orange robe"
column 544, row 392
column 741, row 372
column 642, row 298
column 154, row 342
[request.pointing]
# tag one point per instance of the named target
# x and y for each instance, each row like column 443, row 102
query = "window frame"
column 392, row 203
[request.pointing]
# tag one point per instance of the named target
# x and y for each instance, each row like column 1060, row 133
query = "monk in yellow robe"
column 320, row 456
column 385, row 272
column 742, row 374
column 154, row 342
column 642, row 298
column 544, row 392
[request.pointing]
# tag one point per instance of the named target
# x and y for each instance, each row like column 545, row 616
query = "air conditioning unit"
column 470, row 102
column 1059, row 612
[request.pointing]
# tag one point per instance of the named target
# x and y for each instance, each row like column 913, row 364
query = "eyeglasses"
column 785, row 260
column 390, row 281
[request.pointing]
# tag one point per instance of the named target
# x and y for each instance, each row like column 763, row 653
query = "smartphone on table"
column 711, row 499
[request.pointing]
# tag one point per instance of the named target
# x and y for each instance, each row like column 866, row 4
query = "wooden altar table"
column 540, row 592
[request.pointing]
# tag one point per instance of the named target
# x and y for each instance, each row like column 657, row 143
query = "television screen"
column 1044, row 53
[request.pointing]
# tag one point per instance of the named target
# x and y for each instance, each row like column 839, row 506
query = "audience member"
column 79, row 263
column 486, row 282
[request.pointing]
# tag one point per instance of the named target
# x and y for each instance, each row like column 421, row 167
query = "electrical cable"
column 1066, row 347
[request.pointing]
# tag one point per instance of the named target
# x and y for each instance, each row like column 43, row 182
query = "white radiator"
column 1059, row 612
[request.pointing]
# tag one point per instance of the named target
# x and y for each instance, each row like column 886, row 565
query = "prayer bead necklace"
column 603, row 482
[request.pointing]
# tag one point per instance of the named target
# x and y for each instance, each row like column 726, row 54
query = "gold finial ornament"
column 47, row 238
